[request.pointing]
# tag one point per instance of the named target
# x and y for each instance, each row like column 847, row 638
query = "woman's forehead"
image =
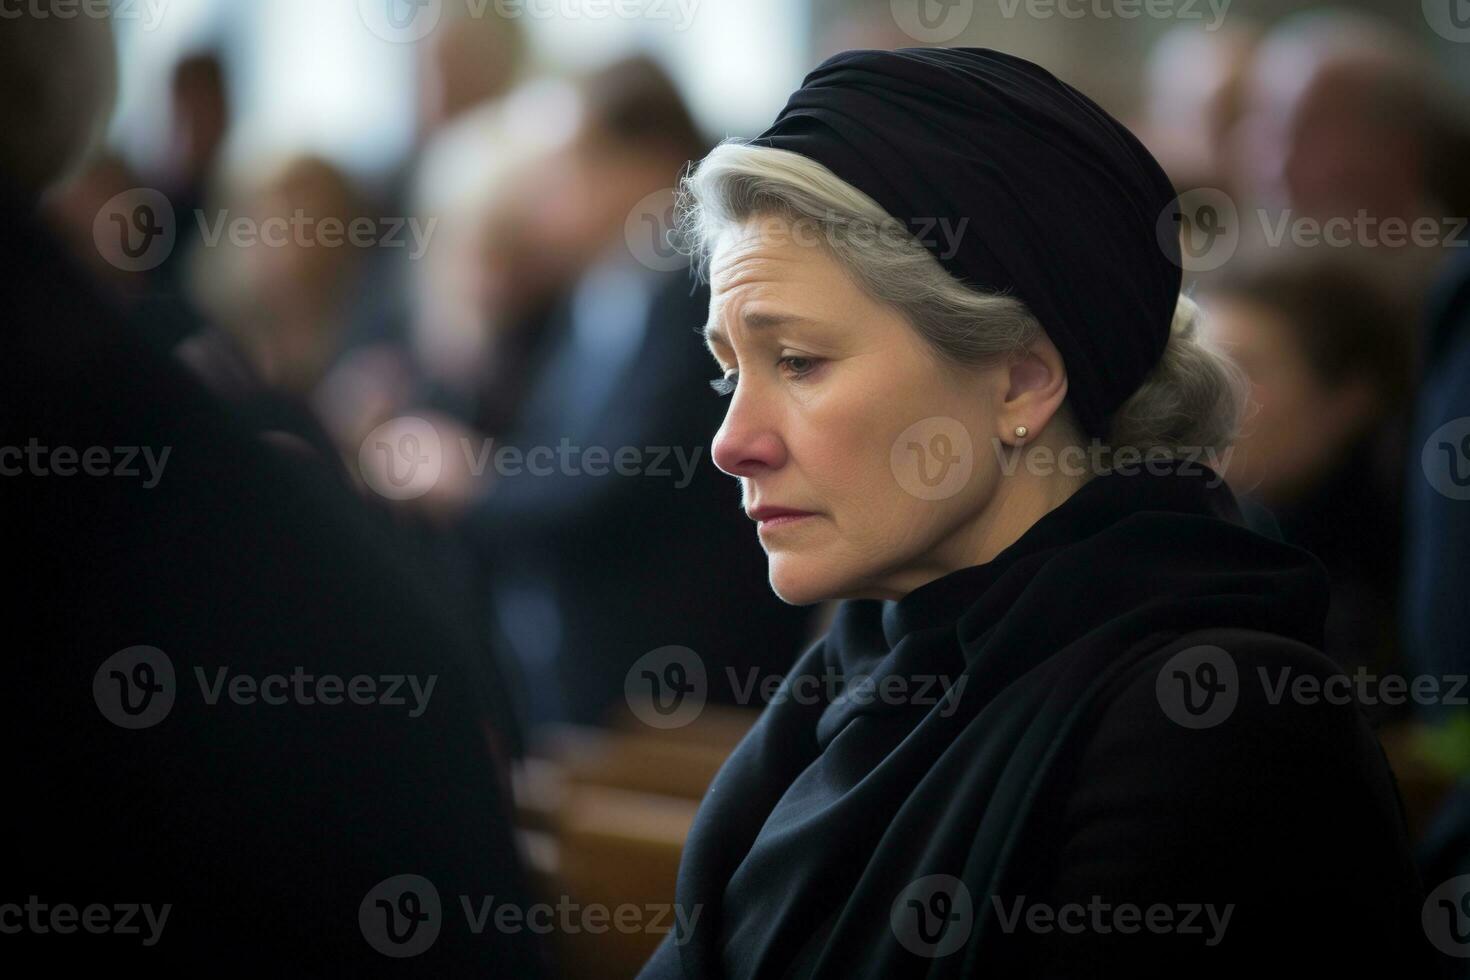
column 783, row 270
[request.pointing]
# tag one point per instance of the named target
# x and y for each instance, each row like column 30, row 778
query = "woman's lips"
column 771, row 523
column 770, row 518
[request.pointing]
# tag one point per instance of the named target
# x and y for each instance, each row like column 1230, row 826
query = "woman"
column 968, row 398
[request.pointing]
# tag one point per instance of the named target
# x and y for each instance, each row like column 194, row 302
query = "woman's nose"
column 747, row 442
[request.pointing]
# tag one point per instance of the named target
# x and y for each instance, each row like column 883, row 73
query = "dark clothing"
column 1436, row 584
column 261, row 808
column 493, row 404
column 595, row 563
column 1352, row 521
column 1114, row 733
column 1436, row 596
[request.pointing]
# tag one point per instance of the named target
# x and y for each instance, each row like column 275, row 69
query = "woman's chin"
column 800, row 582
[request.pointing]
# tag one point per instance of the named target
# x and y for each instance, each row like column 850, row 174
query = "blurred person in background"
column 287, row 297
column 106, row 188
column 265, row 830
column 467, row 60
column 590, row 572
column 479, row 296
column 472, row 59
column 281, row 299
column 199, row 122
column 1348, row 119
column 1327, row 355
column 1194, row 97
column 841, row 25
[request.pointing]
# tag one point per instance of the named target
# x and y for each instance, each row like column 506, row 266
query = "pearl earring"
column 1021, row 431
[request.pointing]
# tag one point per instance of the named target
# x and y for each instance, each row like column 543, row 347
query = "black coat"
column 1115, row 749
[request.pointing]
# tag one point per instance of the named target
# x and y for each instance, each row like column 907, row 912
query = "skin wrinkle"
column 820, row 441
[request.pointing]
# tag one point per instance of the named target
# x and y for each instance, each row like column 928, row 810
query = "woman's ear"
column 1036, row 388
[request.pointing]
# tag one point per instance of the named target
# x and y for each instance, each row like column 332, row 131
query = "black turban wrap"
column 1054, row 201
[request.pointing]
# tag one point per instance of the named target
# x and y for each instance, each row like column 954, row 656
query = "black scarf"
column 832, row 807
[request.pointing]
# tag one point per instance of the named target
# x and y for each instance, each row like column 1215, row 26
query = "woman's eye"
column 799, row 366
column 796, row 367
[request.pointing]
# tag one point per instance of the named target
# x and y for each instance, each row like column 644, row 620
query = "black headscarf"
column 1054, row 201
column 830, row 808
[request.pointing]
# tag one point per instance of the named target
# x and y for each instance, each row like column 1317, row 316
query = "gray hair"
column 1194, row 398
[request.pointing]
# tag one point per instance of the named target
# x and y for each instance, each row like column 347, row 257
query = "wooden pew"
column 602, row 814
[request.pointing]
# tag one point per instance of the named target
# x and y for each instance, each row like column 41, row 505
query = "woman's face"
column 843, row 411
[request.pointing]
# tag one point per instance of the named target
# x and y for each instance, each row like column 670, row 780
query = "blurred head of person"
column 1345, row 112
column 59, row 79
column 636, row 137
column 1327, row 354
column 284, row 287
column 844, row 355
column 72, row 208
column 199, row 119
column 1194, row 96
column 468, row 60
column 481, row 275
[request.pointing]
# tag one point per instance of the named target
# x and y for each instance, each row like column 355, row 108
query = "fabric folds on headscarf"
column 1017, row 183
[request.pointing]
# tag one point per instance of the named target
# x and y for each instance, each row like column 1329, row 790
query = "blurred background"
column 407, row 242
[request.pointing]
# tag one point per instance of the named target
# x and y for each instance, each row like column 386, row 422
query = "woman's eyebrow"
column 754, row 320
